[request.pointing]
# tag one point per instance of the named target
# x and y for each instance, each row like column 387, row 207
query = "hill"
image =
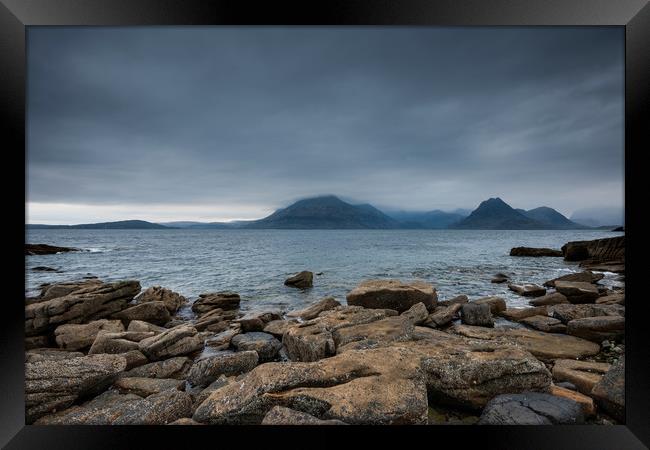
column 120, row 225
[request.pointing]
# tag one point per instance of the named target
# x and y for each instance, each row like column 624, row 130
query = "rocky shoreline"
column 110, row 353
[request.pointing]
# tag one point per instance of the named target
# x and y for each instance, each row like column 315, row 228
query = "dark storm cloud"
column 412, row 118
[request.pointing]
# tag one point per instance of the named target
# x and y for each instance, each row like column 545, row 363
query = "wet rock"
column 458, row 300
column 536, row 252
column 176, row 368
column 169, row 298
column 531, row 408
column 500, row 278
column 152, row 312
column 567, row 313
column 207, row 370
column 302, row 280
column 257, row 320
column 545, row 346
column 587, row 403
column 180, row 340
column 442, row 316
column 81, row 336
column 115, row 343
column 44, row 249
column 497, row 304
column 314, row 310
column 144, row 327
column 222, row 340
column 554, row 298
column 584, row 277
column 225, row 300
column 545, row 323
column 392, row 294
column 583, row 374
column 518, row 314
column 145, row 387
column 279, row 415
column 527, row 290
column 266, row 346
column 96, row 301
column 609, row 392
column 479, row 315
column 416, row 314
column 577, row 292
column 278, row 327
column 596, row 329
column 53, row 384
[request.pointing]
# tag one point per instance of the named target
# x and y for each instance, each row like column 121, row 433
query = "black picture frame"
column 634, row 15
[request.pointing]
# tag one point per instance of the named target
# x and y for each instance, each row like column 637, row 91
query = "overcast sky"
column 217, row 123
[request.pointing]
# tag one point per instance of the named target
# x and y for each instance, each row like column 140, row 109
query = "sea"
column 255, row 263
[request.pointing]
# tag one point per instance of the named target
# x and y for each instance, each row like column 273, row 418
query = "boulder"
column 54, row 290
column 93, row 302
column 176, row 368
column 416, row 314
column 567, row 313
column 313, row 340
column 81, row 336
column 32, row 342
column 152, row 312
column 500, row 278
column 177, row 341
column 44, row 249
column 257, row 320
column 222, row 340
column 547, row 346
column 384, row 385
column 145, row 387
column 314, row 310
column 442, row 315
column 143, row 327
column 184, row 421
column 587, row 403
column 215, row 320
column 114, row 343
column 392, row 294
column 170, row 299
column 609, row 392
column 527, row 290
column 536, row 252
column 583, row 374
column 203, row 394
column 497, row 304
column 599, row 250
column 518, row 314
column 531, row 408
column 278, row 327
column 134, row 358
column 577, row 292
column 302, row 280
column 207, row 370
column 611, row 299
column 279, row 415
column 554, row 298
column 390, row 329
column 41, row 354
column 266, row 346
column 598, row 329
column 126, row 409
column 225, row 300
column 473, row 314
column 458, row 300
column 545, row 323
column 54, row 384
column 584, row 277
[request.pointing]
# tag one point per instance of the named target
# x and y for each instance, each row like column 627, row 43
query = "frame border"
column 634, row 15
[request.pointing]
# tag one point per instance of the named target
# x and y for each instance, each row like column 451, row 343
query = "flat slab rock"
column 531, row 408
column 527, row 289
column 176, row 368
column 598, row 329
column 577, row 292
column 225, row 300
column 542, row 345
column 545, row 323
column 385, row 385
column 584, row 375
column 207, row 370
column 177, row 341
column 586, row 276
column 145, row 387
column 279, row 415
column 312, row 311
column 81, row 336
column 554, row 298
column 392, row 294
column 535, row 252
column 56, row 383
column 266, row 346
column 569, row 312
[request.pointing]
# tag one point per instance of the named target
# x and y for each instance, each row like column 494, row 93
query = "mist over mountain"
column 599, row 216
column 436, row 219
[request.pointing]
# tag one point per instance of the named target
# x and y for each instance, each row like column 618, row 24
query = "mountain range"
column 330, row 212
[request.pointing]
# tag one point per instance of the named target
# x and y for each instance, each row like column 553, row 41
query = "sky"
column 228, row 123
